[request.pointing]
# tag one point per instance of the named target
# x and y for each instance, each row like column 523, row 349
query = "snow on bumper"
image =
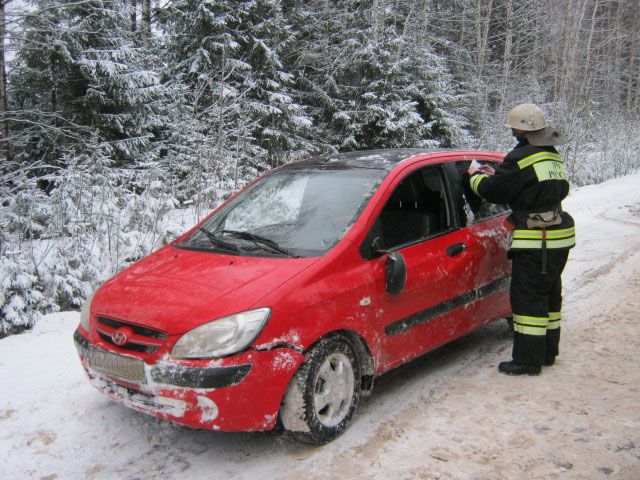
column 241, row 393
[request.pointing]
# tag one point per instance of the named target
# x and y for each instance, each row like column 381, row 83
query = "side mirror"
column 376, row 248
column 395, row 273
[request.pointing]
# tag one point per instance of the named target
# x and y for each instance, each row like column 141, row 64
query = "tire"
column 324, row 393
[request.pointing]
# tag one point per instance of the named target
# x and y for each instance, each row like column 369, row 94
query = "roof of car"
column 379, row 159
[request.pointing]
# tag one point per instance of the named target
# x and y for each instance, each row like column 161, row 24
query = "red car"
column 285, row 303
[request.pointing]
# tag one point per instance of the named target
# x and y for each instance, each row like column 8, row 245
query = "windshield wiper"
column 259, row 240
column 218, row 242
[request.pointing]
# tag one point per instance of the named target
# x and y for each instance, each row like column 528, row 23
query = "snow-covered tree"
column 78, row 69
column 86, row 113
column 372, row 81
column 225, row 57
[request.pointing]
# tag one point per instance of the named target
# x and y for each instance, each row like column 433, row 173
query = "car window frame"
column 459, row 178
column 367, row 243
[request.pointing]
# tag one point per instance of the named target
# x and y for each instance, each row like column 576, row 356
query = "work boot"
column 513, row 368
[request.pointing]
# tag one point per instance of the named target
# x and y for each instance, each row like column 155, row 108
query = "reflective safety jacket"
column 530, row 180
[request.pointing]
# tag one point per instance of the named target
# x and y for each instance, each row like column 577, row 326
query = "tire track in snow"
column 592, row 275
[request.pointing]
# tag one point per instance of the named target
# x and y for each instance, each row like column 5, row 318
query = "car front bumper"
column 242, row 392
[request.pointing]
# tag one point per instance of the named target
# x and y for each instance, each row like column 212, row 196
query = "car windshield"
column 294, row 213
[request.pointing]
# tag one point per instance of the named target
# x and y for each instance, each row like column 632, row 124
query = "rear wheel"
column 324, row 393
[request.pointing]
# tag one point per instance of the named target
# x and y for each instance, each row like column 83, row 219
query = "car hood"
column 175, row 290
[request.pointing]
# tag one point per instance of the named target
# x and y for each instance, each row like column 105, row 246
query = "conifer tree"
column 79, row 70
column 225, row 57
column 85, row 110
column 372, row 85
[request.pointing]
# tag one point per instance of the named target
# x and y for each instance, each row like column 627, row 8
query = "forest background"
column 114, row 114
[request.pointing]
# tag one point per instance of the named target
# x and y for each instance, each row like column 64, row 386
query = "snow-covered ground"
column 448, row 415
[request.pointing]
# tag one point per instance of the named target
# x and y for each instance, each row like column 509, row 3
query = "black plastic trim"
column 81, row 342
column 494, row 286
column 280, row 345
column 137, row 329
column 196, row 377
column 445, row 307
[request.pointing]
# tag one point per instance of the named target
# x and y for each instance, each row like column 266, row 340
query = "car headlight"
column 223, row 336
column 84, row 313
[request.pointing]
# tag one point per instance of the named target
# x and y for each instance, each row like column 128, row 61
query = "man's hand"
column 488, row 169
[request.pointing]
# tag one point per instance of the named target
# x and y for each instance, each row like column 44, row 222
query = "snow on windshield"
column 277, row 203
column 305, row 212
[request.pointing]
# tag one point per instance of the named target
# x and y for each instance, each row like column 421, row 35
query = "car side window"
column 477, row 209
column 417, row 209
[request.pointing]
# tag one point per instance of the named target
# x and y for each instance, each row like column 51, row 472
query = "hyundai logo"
column 120, row 337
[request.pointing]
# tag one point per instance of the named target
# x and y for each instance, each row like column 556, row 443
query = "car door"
column 488, row 229
column 418, row 220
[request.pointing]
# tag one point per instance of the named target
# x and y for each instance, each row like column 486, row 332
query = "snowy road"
column 448, row 415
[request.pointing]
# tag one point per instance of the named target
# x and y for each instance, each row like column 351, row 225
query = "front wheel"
column 324, row 393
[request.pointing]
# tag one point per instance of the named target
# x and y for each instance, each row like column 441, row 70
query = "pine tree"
column 225, row 55
column 282, row 127
column 79, row 70
column 372, row 82
column 87, row 114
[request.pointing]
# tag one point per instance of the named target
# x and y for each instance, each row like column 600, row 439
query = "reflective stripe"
column 547, row 165
column 530, row 325
column 538, row 234
column 537, row 244
column 550, row 170
column 554, row 321
column 530, row 321
column 532, row 239
column 528, row 330
column 538, row 157
column 475, row 181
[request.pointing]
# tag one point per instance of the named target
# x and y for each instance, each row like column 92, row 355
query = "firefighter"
column 533, row 181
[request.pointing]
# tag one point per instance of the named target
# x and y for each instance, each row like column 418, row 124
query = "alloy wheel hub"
column 333, row 390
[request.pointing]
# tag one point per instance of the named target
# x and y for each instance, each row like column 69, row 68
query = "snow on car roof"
column 379, row 159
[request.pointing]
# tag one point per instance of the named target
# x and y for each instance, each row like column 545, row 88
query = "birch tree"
column 4, row 125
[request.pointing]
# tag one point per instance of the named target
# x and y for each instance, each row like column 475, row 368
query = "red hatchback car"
column 285, row 303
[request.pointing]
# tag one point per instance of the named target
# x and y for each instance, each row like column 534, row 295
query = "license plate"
column 117, row 365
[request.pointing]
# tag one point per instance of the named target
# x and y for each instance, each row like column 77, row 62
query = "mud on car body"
column 287, row 301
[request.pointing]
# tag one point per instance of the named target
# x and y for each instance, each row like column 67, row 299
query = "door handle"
column 455, row 249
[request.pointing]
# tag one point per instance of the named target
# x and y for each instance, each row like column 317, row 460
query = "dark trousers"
column 536, row 301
